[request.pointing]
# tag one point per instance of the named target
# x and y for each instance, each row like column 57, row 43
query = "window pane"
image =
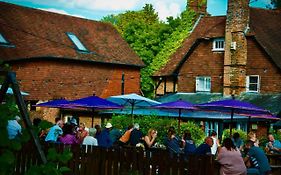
column 77, row 42
column 2, row 39
column 253, row 87
column 253, row 79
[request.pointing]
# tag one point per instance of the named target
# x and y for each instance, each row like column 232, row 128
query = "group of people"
column 234, row 156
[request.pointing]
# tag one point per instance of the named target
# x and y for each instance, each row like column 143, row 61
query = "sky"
column 96, row 9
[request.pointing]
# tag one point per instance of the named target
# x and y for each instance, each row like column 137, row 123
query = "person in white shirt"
column 90, row 140
column 215, row 146
column 14, row 128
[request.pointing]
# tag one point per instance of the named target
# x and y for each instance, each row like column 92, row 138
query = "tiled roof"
column 41, row 34
column 208, row 27
column 265, row 25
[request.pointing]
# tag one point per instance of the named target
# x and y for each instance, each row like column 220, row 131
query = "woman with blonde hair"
column 150, row 138
column 253, row 137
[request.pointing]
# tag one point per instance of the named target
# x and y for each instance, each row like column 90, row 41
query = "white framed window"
column 203, row 84
column 253, row 83
column 77, row 42
column 218, row 44
column 3, row 40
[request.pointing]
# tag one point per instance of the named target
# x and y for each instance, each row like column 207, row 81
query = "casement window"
column 218, row 44
column 75, row 40
column 203, row 84
column 253, row 83
column 4, row 42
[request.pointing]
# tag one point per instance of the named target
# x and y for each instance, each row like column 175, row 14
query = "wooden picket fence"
column 121, row 161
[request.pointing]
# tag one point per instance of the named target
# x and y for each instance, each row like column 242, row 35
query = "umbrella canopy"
column 235, row 106
column 10, row 91
column 132, row 100
column 94, row 103
column 176, row 105
column 54, row 103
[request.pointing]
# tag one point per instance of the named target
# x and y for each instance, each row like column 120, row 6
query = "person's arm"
column 149, row 142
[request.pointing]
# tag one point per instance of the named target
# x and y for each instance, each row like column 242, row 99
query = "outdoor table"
column 275, row 162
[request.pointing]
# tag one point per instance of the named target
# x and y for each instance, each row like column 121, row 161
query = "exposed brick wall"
column 259, row 63
column 202, row 62
column 46, row 80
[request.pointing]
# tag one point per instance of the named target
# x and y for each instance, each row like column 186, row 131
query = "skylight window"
column 78, row 44
column 3, row 40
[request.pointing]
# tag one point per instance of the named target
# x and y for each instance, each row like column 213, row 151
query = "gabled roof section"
column 208, row 27
column 266, row 26
column 41, row 34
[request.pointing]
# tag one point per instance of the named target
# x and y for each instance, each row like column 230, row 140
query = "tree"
column 276, row 4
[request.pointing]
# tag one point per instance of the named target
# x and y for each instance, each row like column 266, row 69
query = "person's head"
column 252, row 136
column 171, row 132
column 73, row 121
column 92, row 132
column 270, row 138
column 131, row 126
column 209, row 141
column 214, row 134
column 187, row 135
column 228, row 144
column 60, row 123
column 249, row 144
column 137, row 126
column 150, row 132
column 108, row 126
column 57, row 119
column 236, row 136
column 17, row 118
column 82, row 126
column 67, row 129
column 98, row 128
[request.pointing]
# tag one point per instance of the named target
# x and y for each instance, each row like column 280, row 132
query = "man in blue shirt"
column 104, row 140
column 205, row 148
column 258, row 159
column 54, row 132
column 14, row 128
column 273, row 146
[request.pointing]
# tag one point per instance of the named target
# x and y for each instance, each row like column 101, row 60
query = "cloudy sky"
column 96, row 9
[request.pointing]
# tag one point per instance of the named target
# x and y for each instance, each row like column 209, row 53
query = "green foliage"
column 226, row 134
column 153, row 40
column 160, row 124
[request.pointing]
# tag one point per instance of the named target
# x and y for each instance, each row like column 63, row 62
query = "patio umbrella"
column 10, row 91
column 54, row 103
column 235, row 106
column 94, row 103
column 132, row 100
column 176, row 105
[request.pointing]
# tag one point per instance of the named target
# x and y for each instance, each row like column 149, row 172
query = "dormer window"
column 3, row 41
column 218, row 44
column 78, row 44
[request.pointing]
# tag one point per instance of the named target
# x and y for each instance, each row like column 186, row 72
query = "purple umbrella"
column 235, row 106
column 176, row 105
column 94, row 103
column 54, row 103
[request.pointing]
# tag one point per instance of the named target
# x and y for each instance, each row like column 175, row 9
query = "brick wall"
column 46, row 80
column 202, row 62
column 259, row 63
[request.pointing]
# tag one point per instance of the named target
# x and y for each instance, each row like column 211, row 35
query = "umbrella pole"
column 93, row 118
column 179, row 122
column 231, row 120
column 132, row 112
column 249, row 124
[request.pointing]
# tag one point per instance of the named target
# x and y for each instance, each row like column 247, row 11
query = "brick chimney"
column 199, row 6
column 235, row 56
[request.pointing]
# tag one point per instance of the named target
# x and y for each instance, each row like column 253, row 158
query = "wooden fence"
column 121, row 161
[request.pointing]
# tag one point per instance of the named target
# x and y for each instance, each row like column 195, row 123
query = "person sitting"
column 150, row 138
column 68, row 137
column 273, row 146
column 253, row 137
column 256, row 159
column 82, row 132
column 237, row 141
column 230, row 159
column 54, row 132
column 104, row 139
column 90, row 140
column 188, row 143
column 136, row 135
column 126, row 136
column 205, row 148
column 115, row 135
column 172, row 142
column 14, row 128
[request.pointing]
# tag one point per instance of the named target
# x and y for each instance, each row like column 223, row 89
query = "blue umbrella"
column 235, row 106
column 132, row 100
column 94, row 103
column 176, row 105
column 60, row 103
